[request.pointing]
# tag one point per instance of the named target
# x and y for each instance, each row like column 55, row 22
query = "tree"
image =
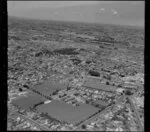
column 76, row 94
column 128, row 92
column 96, row 105
column 54, row 93
column 94, row 73
column 107, row 83
column 87, row 102
column 20, row 89
column 68, row 88
column 83, row 126
column 26, row 86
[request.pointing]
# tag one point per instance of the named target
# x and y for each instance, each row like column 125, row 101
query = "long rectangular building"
column 48, row 87
column 28, row 101
column 67, row 112
column 99, row 86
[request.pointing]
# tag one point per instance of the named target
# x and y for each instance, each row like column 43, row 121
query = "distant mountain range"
column 120, row 13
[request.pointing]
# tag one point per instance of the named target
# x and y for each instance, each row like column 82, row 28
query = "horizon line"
column 99, row 23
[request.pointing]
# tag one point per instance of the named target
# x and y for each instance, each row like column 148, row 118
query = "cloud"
column 56, row 12
column 80, row 14
column 137, row 2
column 114, row 11
column 74, row 13
column 102, row 9
column 49, row 4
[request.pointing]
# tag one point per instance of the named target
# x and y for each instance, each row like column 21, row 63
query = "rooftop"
column 67, row 112
column 100, row 102
column 48, row 87
column 98, row 85
column 28, row 101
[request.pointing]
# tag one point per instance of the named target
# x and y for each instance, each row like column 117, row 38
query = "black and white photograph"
column 76, row 66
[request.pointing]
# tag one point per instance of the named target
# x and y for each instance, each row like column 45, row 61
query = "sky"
column 14, row 5
column 109, row 12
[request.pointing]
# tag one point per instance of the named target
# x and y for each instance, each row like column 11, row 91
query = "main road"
column 136, row 113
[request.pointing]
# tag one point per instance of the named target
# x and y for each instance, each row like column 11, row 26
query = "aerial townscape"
column 70, row 76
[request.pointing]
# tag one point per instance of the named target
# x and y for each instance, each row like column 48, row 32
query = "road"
column 137, row 115
column 136, row 93
column 133, row 97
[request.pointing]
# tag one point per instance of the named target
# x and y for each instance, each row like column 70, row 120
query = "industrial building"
column 48, row 87
column 101, row 103
column 67, row 112
column 29, row 101
column 97, row 85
